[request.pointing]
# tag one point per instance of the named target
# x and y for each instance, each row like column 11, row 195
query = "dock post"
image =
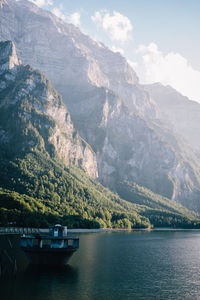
column 41, row 243
column 15, row 267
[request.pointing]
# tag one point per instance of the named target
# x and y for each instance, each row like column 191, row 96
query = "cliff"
column 179, row 112
column 32, row 112
column 114, row 114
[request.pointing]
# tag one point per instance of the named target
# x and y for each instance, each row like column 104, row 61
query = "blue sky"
column 159, row 37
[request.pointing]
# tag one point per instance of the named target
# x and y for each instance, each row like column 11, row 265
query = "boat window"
column 55, row 232
column 57, row 244
column 70, row 243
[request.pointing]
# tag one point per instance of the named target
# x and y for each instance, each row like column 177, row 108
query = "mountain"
column 47, row 171
column 114, row 114
column 178, row 111
column 67, row 56
column 37, row 116
column 38, row 146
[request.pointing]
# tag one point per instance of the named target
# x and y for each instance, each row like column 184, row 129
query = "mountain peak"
column 3, row 2
column 8, row 56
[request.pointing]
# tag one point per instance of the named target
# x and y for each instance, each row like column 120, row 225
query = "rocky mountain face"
column 111, row 110
column 68, row 57
column 178, row 111
column 130, row 148
column 40, row 151
column 32, row 112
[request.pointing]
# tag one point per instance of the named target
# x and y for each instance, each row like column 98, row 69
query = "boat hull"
column 42, row 256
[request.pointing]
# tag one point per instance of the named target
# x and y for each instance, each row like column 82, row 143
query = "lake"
column 117, row 265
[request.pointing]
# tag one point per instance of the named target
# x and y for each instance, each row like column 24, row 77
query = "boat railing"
column 39, row 241
column 21, row 230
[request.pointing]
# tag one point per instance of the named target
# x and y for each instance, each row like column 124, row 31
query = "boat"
column 54, row 248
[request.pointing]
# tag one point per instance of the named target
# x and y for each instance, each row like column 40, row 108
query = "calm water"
column 139, row 265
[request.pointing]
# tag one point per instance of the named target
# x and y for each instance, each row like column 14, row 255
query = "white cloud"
column 133, row 64
column 117, row 49
column 170, row 69
column 117, row 26
column 60, row 12
column 75, row 19
column 41, row 3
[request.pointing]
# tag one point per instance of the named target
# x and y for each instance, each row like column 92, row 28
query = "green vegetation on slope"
column 37, row 189
column 161, row 211
column 56, row 194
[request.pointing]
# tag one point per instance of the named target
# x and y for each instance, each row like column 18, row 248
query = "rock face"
column 111, row 110
column 68, row 57
column 178, row 111
column 133, row 149
column 8, row 57
column 33, row 112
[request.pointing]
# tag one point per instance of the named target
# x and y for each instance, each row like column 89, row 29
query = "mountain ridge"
column 111, row 110
column 177, row 111
column 38, row 187
column 27, row 95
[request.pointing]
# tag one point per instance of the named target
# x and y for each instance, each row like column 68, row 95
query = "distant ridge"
column 114, row 114
column 44, row 164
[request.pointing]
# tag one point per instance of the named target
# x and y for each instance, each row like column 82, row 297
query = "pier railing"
column 20, row 230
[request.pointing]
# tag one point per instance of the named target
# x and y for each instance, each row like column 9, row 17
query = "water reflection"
column 136, row 265
column 41, row 282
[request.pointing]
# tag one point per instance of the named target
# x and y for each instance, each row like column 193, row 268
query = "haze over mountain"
column 38, row 145
column 44, row 163
column 26, row 96
column 179, row 111
column 111, row 110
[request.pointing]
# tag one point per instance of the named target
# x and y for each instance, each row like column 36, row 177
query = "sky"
column 159, row 38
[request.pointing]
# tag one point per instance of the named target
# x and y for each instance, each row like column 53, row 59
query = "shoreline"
column 81, row 230
column 100, row 230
